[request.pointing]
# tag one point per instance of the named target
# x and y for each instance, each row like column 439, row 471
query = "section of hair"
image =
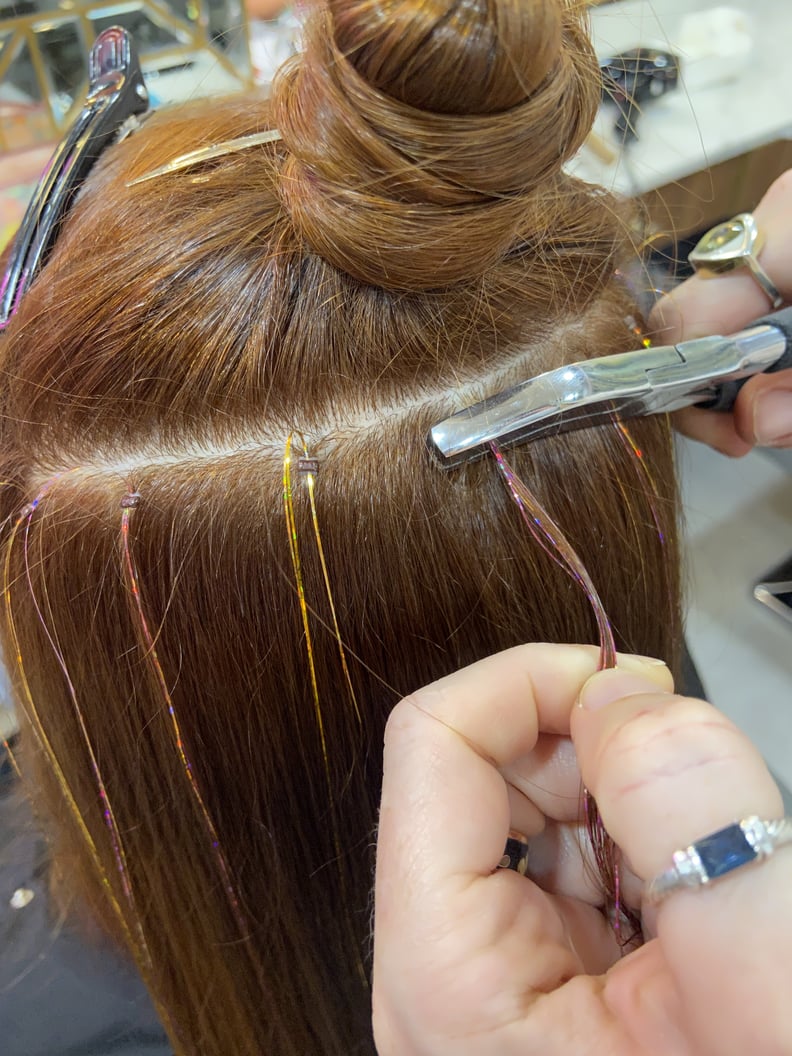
column 182, row 331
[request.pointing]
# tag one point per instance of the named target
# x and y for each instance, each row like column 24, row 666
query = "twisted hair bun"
column 425, row 134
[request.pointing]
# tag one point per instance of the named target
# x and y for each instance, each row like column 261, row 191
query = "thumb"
column 665, row 769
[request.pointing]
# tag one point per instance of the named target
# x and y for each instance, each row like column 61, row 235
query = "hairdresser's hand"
column 472, row 961
column 701, row 306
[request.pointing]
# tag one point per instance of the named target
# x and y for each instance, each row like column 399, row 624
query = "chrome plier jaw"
column 116, row 93
column 707, row 371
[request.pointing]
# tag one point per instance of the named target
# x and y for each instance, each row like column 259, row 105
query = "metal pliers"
column 708, row 371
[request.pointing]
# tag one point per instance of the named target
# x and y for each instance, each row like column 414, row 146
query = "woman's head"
column 212, row 634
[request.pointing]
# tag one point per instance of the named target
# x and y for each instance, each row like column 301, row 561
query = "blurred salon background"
column 701, row 126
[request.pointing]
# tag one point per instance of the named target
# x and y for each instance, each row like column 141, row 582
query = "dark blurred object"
column 7, row 771
column 634, row 77
column 775, row 590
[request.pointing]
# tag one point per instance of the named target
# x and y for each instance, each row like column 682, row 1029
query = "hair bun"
column 420, row 131
column 448, row 57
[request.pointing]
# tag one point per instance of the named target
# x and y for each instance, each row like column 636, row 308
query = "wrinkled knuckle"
column 661, row 744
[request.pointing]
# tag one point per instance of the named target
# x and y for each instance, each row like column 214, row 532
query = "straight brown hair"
column 207, row 760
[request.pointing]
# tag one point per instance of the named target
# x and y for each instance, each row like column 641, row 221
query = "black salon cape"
column 59, row 994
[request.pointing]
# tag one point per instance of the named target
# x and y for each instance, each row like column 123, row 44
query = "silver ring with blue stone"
column 713, row 857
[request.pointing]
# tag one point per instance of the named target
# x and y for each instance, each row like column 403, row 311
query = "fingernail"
column 772, row 421
column 607, row 686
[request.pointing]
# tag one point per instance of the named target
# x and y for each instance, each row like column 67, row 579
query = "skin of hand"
column 265, row 9
column 470, row 960
column 727, row 303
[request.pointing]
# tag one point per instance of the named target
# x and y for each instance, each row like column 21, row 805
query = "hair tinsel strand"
column 133, row 583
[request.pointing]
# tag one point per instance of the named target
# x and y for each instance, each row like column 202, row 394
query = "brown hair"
column 412, row 244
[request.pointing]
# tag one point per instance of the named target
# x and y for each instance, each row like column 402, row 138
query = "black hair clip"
column 116, row 93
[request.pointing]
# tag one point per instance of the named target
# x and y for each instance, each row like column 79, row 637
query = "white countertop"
column 693, row 126
column 738, row 520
